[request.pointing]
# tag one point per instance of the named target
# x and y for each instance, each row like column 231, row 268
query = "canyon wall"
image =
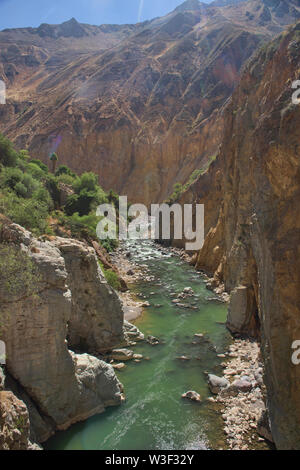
column 253, row 222
column 38, row 326
column 138, row 104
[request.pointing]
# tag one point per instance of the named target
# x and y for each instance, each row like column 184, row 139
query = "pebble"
column 242, row 410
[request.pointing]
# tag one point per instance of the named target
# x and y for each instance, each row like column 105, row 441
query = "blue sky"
column 20, row 13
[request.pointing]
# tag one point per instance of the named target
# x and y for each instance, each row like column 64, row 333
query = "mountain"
column 138, row 104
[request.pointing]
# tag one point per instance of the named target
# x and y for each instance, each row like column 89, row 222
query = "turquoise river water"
column 154, row 415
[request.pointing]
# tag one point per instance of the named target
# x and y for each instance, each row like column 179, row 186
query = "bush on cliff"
column 29, row 193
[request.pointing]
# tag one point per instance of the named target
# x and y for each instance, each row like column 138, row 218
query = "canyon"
column 137, row 104
column 207, row 87
column 252, row 220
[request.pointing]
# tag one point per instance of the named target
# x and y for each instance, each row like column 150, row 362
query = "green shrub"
column 35, row 170
column 177, row 191
column 112, row 279
column 40, row 164
column 42, row 195
column 30, row 184
column 24, row 155
column 29, row 213
column 65, row 179
column 51, row 184
column 109, row 244
column 80, row 204
column 64, row 170
column 10, row 177
column 29, row 192
column 8, row 156
column 87, row 181
column 80, row 227
column 20, row 189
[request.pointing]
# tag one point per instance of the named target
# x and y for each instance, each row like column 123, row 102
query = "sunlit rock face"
column 60, row 387
column 137, row 104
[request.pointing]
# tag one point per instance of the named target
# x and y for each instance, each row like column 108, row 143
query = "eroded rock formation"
column 59, row 386
column 96, row 321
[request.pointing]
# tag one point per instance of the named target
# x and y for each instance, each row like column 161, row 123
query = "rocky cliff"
column 136, row 104
column 253, row 222
column 68, row 304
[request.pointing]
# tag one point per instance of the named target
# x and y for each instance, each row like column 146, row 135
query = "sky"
column 20, row 13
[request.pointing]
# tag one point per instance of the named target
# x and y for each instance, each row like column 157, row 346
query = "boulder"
column 193, row 396
column 188, row 290
column 217, row 384
column 122, row 355
column 153, row 341
column 239, row 386
column 131, row 332
column 120, row 366
column 240, row 309
column 14, row 423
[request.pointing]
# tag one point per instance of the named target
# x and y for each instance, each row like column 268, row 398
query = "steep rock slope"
column 96, row 322
column 58, row 386
column 141, row 112
column 252, row 242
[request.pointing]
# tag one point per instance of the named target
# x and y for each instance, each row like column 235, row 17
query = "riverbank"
column 243, row 401
column 243, row 406
column 132, row 273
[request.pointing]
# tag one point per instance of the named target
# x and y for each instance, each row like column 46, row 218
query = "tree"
column 8, row 156
column 54, row 160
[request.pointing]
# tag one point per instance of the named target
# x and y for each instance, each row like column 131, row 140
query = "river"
column 154, row 415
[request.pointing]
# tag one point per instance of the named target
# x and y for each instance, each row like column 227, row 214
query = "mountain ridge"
column 138, row 104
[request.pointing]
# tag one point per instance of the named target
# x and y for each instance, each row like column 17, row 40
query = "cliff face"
column 135, row 104
column 253, row 247
column 58, row 386
column 96, row 321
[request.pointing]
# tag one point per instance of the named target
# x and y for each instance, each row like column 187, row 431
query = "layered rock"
column 142, row 114
column 62, row 387
column 96, row 321
column 253, row 245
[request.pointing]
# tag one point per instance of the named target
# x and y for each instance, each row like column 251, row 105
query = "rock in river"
column 122, row 354
column 191, row 395
column 216, row 384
